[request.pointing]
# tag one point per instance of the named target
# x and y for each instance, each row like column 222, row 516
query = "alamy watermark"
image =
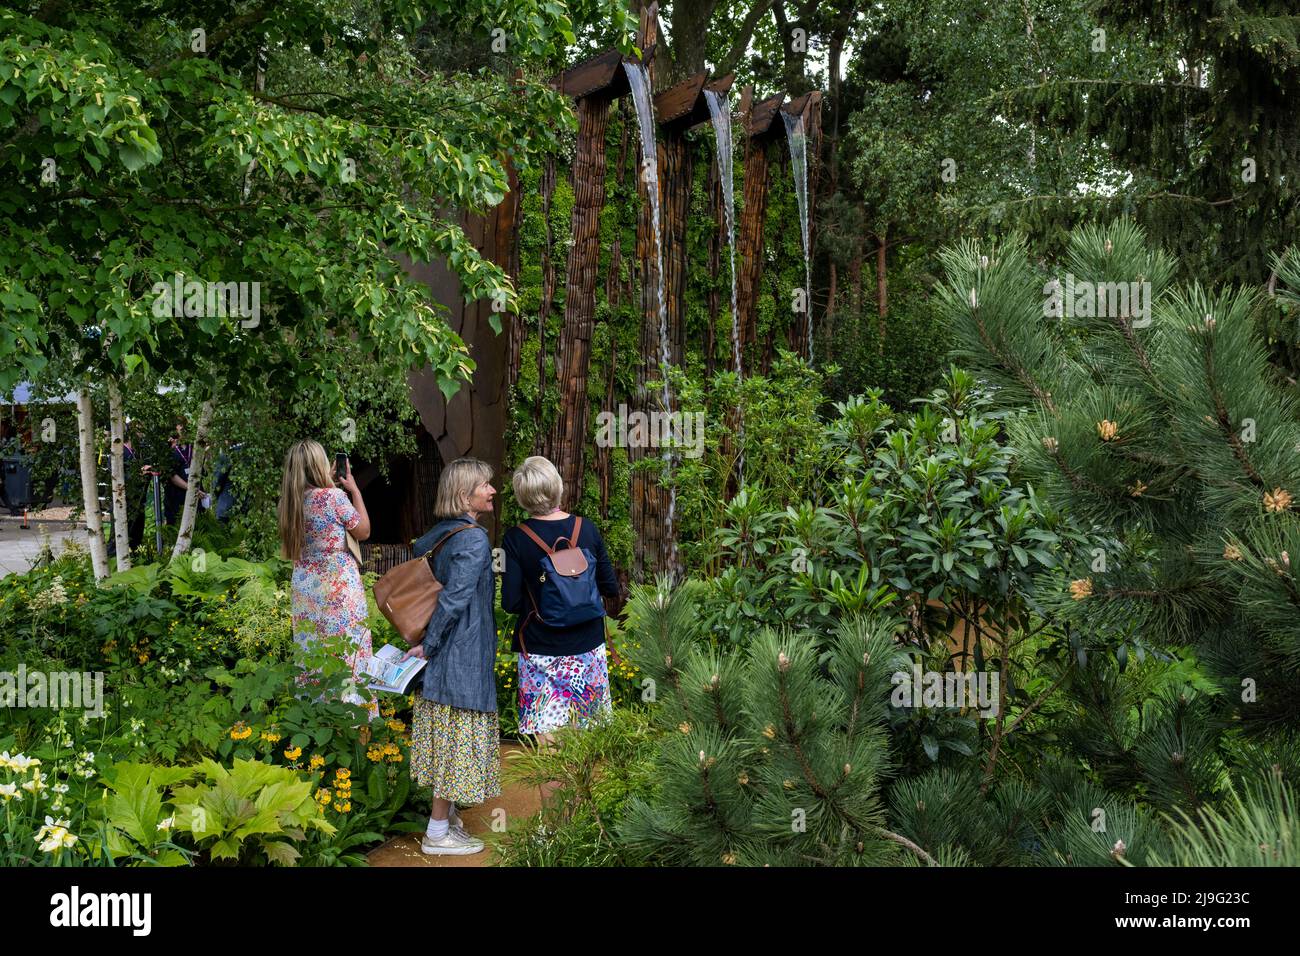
column 674, row 430
column 56, row 689
column 199, row 299
column 1082, row 299
column 976, row 690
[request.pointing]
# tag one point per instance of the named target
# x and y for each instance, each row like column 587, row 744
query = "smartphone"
column 340, row 465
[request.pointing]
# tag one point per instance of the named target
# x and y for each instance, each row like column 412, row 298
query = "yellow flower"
column 241, row 731
column 1279, row 499
column 342, row 773
column 345, row 807
column 271, row 736
column 396, row 725
column 322, row 795
column 374, row 755
column 1080, row 588
column 293, row 753
column 316, row 762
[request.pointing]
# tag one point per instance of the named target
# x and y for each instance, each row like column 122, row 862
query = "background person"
column 315, row 517
column 455, row 740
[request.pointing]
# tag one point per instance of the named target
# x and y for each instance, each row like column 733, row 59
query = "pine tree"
column 775, row 752
column 1172, row 439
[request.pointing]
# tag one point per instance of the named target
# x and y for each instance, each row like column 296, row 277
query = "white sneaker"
column 454, row 843
column 455, row 822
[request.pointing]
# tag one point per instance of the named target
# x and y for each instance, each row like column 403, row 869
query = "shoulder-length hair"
column 305, row 466
column 456, row 483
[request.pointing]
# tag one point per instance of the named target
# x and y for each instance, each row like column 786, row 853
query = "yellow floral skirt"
column 456, row 752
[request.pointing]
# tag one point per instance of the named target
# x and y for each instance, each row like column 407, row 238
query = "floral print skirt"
column 330, row 600
column 557, row 691
column 456, row 752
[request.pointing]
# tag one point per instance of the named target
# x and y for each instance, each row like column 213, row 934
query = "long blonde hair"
column 305, row 466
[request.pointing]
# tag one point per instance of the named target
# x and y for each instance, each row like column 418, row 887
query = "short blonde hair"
column 456, row 483
column 538, row 486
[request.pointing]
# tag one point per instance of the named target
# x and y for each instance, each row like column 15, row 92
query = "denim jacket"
column 460, row 642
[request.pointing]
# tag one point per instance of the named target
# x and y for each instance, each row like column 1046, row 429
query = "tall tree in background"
column 142, row 152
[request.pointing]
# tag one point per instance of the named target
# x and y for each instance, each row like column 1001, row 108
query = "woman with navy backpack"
column 556, row 572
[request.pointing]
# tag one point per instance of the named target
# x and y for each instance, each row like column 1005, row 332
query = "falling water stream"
column 639, row 81
column 794, row 133
column 720, row 111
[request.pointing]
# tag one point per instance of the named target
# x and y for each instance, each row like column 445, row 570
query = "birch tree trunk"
column 121, row 521
column 89, row 486
column 186, row 528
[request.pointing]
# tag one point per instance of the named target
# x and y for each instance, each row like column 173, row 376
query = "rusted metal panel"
column 762, row 118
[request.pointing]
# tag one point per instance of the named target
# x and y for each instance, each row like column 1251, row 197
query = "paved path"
column 518, row 802
column 19, row 546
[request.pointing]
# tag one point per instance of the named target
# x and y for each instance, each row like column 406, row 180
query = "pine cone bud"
column 1176, row 758
column 743, row 779
column 848, row 769
column 974, row 302
column 782, row 662
column 1051, row 444
column 1109, row 247
column 769, row 732
column 1117, row 850
column 668, row 661
column 715, row 682
column 684, row 727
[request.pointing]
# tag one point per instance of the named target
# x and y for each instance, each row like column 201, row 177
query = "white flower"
column 66, row 741
column 168, row 823
column 54, row 835
column 60, row 788
column 36, row 784
column 18, row 762
column 9, row 791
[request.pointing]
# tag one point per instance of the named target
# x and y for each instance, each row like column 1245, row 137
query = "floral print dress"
column 328, row 596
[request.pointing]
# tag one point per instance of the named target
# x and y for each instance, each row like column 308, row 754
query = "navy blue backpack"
column 567, row 594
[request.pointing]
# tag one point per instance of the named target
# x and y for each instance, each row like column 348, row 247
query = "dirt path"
column 518, row 803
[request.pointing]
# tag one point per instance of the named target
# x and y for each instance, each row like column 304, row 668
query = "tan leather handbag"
column 408, row 594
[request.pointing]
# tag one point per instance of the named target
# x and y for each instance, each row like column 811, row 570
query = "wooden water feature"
column 595, row 85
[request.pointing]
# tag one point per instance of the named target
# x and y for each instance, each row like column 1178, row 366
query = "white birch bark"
column 121, row 522
column 89, row 486
column 185, row 531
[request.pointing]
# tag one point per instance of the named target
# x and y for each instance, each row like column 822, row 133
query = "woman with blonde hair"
column 455, row 741
column 316, row 517
column 563, row 671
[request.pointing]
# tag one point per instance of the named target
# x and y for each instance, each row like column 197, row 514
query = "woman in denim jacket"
column 455, row 739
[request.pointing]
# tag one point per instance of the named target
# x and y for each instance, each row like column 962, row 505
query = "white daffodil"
column 9, row 791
